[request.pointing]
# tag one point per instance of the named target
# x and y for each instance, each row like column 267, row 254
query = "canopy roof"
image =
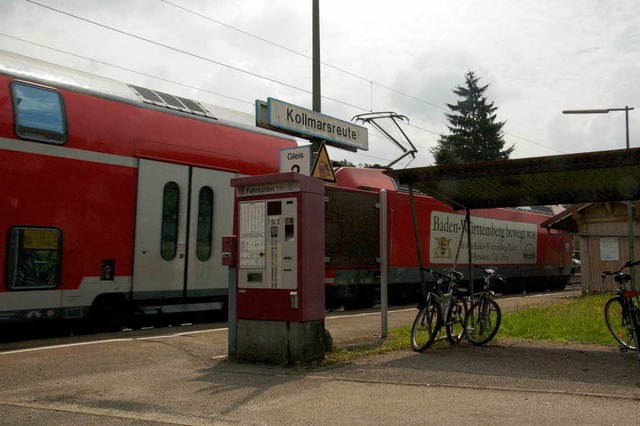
column 560, row 179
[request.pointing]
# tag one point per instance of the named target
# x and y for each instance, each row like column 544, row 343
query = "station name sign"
column 305, row 122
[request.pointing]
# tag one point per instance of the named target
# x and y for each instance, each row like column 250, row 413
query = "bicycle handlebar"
column 455, row 275
column 626, row 265
column 487, row 271
column 491, row 273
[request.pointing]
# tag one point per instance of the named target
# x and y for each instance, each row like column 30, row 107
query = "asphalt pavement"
column 185, row 378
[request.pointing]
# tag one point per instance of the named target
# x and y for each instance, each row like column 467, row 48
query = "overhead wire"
column 126, row 69
column 304, row 55
column 371, row 82
column 233, row 68
column 194, row 55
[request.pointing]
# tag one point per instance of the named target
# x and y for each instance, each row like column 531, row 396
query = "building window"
column 169, row 235
column 34, row 258
column 205, row 223
column 39, row 113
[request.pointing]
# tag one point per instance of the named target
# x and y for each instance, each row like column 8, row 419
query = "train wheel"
column 109, row 313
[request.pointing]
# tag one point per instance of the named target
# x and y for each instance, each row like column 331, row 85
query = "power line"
column 264, row 40
column 125, row 69
column 194, row 55
column 233, row 68
column 166, row 46
column 535, row 143
column 231, row 27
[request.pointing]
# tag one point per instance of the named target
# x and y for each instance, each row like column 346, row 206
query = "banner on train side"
column 493, row 241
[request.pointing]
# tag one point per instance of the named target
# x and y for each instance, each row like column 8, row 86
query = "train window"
column 169, row 235
column 33, row 258
column 39, row 113
column 205, row 223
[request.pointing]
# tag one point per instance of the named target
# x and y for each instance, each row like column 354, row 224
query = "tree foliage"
column 347, row 163
column 475, row 133
column 342, row 163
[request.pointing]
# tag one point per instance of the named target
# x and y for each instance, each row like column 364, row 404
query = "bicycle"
column 429, row 320
column 484, row 317
column 621, row 312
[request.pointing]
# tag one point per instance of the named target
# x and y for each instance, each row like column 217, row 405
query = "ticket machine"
column 279, row 224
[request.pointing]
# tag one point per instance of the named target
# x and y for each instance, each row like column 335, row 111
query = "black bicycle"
column 484, row 317
column 621, row 312
column 446, row 294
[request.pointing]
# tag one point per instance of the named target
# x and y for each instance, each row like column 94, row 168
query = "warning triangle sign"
column 322, row 166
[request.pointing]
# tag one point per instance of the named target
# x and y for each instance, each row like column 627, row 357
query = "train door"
column 182, row 212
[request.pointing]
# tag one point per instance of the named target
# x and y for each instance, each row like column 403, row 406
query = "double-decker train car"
column 510, row 240
column 114, row 197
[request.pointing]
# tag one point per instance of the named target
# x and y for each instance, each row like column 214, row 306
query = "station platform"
column 185, row 378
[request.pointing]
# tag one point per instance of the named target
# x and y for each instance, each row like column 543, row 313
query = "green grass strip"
column 576, row 320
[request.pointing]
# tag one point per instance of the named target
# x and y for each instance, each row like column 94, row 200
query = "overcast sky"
column 538, row 57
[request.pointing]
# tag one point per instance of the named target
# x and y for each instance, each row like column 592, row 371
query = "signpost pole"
column 384, row 300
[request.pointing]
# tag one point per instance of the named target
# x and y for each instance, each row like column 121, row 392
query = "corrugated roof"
column 560, row 179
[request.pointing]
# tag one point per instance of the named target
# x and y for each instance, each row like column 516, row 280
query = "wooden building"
column 603, row 230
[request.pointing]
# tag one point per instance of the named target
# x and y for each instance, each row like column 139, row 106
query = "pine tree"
column 475, row 135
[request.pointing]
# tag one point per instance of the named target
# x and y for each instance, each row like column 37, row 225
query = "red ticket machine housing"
column 280, row 303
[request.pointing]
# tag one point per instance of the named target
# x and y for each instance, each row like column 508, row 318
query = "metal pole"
column 416, row 230
column 384, row 301
column 468, row 220
column 315, row 71
column 232, row 321
column 316, row 56
column 630, row 211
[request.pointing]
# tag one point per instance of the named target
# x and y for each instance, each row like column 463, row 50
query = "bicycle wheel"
column 454, row 319
column 618, row 323
column 635, row 327
column 482, row 321
column 426, row 326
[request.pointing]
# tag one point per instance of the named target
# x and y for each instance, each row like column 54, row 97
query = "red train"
column 115, row 198
column 510, row 240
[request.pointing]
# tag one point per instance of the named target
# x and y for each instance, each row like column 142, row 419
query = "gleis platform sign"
column 296, row 159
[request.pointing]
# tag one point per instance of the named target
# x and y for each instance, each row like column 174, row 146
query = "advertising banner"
column 493, row 241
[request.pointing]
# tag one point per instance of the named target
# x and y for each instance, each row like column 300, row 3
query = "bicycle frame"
column 484, row 316
column 429, row 320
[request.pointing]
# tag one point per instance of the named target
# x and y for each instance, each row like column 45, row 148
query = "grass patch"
column 577, row 320
column 397, row 340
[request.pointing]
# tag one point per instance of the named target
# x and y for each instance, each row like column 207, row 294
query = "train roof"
column 376, row 179
column 35, row 70
column 367, row 179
